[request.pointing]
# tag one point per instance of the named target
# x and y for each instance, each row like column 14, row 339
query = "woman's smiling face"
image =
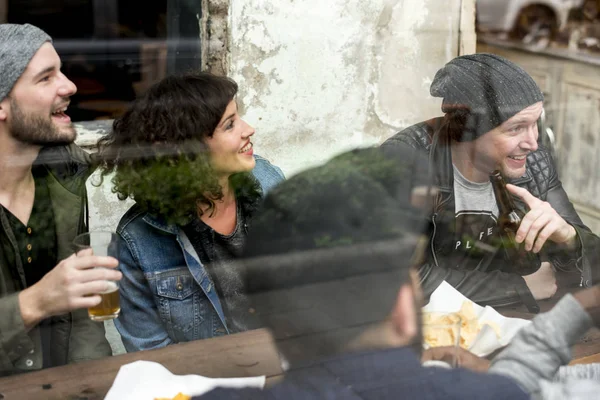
column 230, row 145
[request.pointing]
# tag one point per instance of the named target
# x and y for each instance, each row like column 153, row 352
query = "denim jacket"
column 167, row 296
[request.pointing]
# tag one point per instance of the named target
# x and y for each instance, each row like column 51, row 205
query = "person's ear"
column 3, row 110
column 404, row 315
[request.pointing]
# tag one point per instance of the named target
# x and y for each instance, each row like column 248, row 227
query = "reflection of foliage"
column 328, row 241
column 356, row 197
column 173, row 186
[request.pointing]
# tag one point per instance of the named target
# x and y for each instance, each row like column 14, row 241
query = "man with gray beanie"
column 43, row 300
column 492, row 108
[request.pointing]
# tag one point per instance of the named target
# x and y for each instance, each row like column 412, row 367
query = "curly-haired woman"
column 185, row 156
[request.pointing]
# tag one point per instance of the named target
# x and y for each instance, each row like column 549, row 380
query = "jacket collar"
column 160, row 223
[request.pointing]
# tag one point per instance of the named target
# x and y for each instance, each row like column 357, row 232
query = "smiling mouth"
column 246, row 148
column 518, row 158
column 60, row 112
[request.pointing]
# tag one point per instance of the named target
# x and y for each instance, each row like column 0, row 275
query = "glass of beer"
column 102, row 244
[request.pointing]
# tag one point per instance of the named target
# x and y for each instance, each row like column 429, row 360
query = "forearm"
column 29, row 308
column 536, row 353
column 14, row 340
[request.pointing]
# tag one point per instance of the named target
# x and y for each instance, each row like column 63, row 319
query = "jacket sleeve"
column 535, row 355
column 139, row 323
column 87, row 339
column 495, row 288
column 586, row 255
column 267, row 174
column 14, row 340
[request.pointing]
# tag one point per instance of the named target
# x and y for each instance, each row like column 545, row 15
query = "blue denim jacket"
column 167, row 295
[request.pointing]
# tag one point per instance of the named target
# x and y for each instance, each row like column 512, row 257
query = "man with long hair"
column 492, row 108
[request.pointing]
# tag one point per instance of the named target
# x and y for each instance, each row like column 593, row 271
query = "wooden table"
column 245, row 354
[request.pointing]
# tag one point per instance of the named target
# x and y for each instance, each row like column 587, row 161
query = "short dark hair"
column 330, row 248
column 158, row 151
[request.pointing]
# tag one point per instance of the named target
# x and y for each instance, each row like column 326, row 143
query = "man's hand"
column 464, row 358
column 71, row 285
column 542, row 283
column 541, row 223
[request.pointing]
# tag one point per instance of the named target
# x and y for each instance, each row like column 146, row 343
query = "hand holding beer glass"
column 101, row 244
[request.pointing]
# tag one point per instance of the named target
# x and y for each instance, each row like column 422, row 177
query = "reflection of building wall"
column 316, row 80
column 572, row 91
column 3, row 11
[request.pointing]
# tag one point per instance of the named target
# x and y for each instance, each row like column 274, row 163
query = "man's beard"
column 37, row 130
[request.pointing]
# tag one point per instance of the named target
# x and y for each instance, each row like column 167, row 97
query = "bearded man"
column 44, row 288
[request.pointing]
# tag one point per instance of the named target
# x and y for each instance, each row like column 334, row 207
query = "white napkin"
column 145, row 380
column 446, row 299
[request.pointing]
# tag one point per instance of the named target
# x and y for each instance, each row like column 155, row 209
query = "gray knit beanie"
column 489, row 88
column 18, row 45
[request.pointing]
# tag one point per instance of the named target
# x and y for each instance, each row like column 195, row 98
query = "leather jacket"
column 494, row 288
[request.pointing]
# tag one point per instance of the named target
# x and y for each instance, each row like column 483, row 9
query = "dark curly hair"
column 157, row 148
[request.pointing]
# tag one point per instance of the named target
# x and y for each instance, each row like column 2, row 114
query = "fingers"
column 438, row 353
column 535, row 223
column 99, row 274
column 90, row 261
column 93, row 288
column 524, row 195
column 544, row 235
column 540, row 224
column 85, row 302
column 85, row 252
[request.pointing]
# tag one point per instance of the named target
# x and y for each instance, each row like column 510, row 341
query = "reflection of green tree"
column 172, row 186
column 372, row 192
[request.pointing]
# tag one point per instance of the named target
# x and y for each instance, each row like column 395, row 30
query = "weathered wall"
column 319, row 78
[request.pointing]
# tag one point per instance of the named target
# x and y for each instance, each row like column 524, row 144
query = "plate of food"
column 482, row 329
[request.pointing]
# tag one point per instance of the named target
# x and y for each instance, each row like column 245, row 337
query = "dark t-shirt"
column 37, row 239
column 215, row 251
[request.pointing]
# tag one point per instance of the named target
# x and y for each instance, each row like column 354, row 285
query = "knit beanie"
column 486, row 87
column 18, row 45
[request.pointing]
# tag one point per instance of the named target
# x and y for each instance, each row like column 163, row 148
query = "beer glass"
column 102, row 244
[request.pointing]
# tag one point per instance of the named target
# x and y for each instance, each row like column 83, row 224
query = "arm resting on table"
column 14, row 340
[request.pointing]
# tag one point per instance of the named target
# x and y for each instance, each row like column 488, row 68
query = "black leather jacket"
column 495, row 288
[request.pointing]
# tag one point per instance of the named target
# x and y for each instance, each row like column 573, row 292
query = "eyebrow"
column 44, row 72
column 521, row 121
column 228, row 118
